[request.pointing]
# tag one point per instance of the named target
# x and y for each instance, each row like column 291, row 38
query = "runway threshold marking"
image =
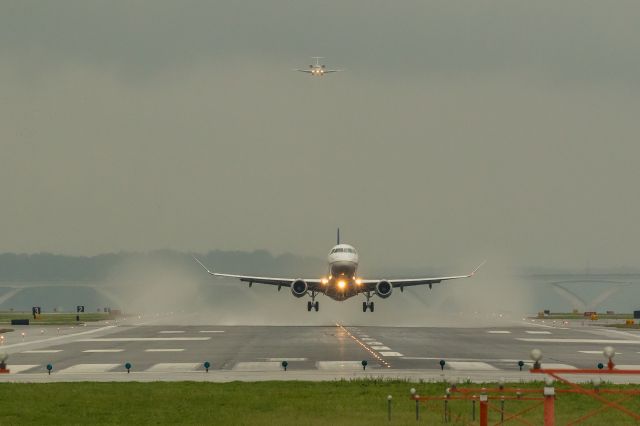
column 364, row 346
column 594, row 341
column 164, row 350
column 380, row 348
column 144, row 339
column 15, row 369
column 174, row 367
column 89, row 368
column 470, row 365
column 258, row 366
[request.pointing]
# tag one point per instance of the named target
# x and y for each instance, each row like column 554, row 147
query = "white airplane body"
column 317, row 69
column 342, row 281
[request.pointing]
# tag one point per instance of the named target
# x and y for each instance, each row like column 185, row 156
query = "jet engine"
column 299, row 288
column 384, row 289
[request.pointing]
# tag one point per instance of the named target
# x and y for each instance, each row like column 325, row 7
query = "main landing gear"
column 367, row 305
column 313, row 305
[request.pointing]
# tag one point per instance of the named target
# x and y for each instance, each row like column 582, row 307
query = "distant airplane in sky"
column 317, row 69
column 342, row 281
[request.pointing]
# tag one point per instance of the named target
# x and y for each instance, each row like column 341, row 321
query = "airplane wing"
column 327, row 71
column 280, row 282
column 308, row 71
column 421, row 281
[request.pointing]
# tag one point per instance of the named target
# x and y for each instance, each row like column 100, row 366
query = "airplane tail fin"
column 338, row 236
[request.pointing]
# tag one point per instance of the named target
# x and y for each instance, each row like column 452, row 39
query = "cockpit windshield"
column 342, row 250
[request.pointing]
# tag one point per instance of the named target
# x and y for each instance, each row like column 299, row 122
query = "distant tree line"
column 55, row 267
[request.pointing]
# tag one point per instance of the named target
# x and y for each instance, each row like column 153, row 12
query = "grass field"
column 52, row 318
column 264, row 403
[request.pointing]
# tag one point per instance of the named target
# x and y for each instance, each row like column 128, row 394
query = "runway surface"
column 177, row 352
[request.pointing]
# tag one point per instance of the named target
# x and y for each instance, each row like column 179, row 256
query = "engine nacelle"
column 384, row 289
column 299, row 288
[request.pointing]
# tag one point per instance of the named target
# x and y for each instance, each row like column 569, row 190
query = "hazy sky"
column 459, row 131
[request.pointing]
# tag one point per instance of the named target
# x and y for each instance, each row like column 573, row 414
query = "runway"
column 178, row 352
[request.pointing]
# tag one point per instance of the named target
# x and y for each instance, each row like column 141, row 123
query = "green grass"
column 265, row 403
column 53, row 318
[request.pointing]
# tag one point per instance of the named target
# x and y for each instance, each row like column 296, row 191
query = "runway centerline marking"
column 145, row 339
column 43, row 351
column 211, row 331
column 537, row 332
column 364, row 346
column 98, row 351
column 498, row 332
column 164, row 350
column 171, row 331
column 596, row 352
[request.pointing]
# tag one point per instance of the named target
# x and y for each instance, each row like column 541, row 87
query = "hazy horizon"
column 458, row 132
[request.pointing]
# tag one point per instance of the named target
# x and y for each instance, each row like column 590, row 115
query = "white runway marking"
column 498, row 332
column 20, row 368
column 596, row 352
column 89, row 368
column 164, row 350
column 366, row 339
column 285, row 359
column 391, row 354
column 537, row 332
column 145, row 339
column 211, row 331
column 380, row 348
column 375, row 343
column 98, row 351
column 627, row 367
column 364, row 336
column 339, row 365
column 470, row 365
column 175, row 367
column 43, row 351
column 171, row 331
column 258, row 366
column 594, row 341
column 551, row 365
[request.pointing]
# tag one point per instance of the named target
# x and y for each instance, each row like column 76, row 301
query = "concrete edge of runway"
column 217, row 376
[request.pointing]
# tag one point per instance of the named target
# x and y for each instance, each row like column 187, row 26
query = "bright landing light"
column 341, row 284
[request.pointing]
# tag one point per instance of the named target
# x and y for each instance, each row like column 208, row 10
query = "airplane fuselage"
column 342, row 282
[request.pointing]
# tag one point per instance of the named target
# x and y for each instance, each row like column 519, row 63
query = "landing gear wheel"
column 316, row 306
column 371, row 306
column 364, row 306
column 309, row 306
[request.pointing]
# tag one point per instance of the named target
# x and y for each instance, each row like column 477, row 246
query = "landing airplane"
column 317, row 69
column 342, row 281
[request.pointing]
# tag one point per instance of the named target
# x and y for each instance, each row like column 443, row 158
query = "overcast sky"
column 459, row 130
